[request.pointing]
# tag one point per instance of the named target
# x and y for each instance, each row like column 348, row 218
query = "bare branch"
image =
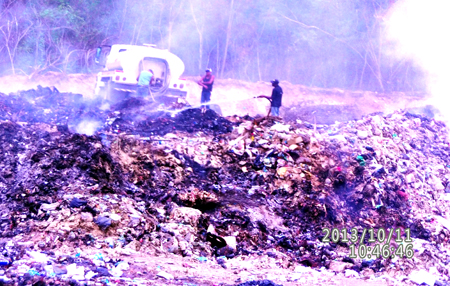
column 66, row 60
column 325, row 32
column 200, row 35
column 335, row 38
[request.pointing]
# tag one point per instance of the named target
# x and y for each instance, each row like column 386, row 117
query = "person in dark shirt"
column 206, row 82
column 275, row 99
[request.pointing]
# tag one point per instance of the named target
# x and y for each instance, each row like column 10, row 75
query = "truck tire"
column 113, row 95
column 101, row 93
column 109, row 91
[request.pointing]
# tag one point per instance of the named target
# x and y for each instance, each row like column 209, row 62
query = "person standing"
column 144, row 80
column 206, row 82
column 275, row 99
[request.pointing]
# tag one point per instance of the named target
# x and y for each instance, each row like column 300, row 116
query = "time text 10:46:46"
column 371, row 247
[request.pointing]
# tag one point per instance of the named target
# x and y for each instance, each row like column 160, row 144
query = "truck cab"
column 122, row 65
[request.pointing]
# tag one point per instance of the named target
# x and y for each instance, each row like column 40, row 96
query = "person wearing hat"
column 206, row 82
column 275, row 99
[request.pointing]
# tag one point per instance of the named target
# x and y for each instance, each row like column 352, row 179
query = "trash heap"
column 43, row 105
column 232, row 193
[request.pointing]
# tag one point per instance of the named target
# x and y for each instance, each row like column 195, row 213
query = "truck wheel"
column 109, row 90
column 101, row 93
column 112, row 95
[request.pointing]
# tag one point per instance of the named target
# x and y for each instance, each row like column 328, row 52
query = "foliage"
column 324, row 43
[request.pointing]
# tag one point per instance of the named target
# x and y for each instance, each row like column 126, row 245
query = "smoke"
column 105, row 106
column 419, row 30
column 87, row 127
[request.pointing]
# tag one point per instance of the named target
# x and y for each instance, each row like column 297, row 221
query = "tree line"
column 321, row 43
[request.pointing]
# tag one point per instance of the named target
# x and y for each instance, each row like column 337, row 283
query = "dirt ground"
column 147, row 263
column 235, row 97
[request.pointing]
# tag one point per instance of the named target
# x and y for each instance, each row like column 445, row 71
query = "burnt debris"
column 203, row 186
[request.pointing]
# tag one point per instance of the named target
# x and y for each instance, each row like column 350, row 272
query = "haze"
column 381, row 46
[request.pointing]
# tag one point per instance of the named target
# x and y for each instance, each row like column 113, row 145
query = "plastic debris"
column 165, row 275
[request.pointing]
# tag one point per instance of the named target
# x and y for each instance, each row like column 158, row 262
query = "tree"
column 230, row 21
column 319, row 43
column 199, row 27
column 14, row 27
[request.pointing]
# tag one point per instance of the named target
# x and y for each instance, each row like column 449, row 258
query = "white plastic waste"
column 422, row 276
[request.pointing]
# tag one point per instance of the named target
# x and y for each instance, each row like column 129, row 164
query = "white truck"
column 123, row 64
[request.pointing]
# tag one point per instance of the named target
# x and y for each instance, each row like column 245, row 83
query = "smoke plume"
column 88, row 127
column 420, row 32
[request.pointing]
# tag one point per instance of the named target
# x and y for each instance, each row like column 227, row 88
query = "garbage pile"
column 45, row 104
column 219, row 192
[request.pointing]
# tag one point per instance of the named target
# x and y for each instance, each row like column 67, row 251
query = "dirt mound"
column 190, row 120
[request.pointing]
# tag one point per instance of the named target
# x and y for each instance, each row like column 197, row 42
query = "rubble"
column 233, row 193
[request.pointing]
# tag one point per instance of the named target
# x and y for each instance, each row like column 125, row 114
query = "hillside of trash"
column 240, row 194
